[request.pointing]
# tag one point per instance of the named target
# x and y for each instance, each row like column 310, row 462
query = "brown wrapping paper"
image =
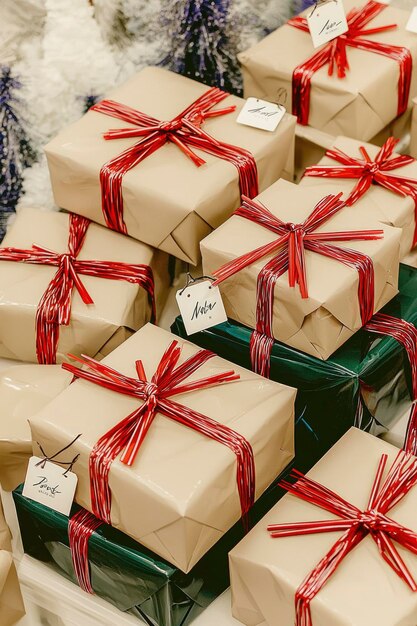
column 379, row 204
column 169, row 203
column 364, row 590
column 351, row 106
column 24, row 390
column 117, row 304
column 310, row 146
column 321, row 323
column 180, row 495
column 413, row 142
column 11, row 601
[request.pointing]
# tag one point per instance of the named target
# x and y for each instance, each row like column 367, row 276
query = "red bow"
column 291, row 244
column 357, row 524
column 128, row 435
column 54, row 308
column 184, row 130
column 406, row 334
column 370, row 172
column 335, row 55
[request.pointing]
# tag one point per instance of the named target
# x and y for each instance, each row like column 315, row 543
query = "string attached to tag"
column 320, row 3
column 46, row 458
column 192, row 281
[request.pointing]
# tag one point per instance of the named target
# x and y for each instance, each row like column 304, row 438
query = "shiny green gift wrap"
column 366, row 383
column 128, row 575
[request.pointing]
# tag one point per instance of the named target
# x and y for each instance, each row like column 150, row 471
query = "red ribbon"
column 334, row 54
column 292, row 242
column 54, row 308
column 184, row 131
column 80, row 528
column 127, row 436
column 406, row 334
column 357, row 524
column 370, row 172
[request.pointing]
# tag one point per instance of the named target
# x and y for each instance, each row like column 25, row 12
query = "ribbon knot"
column 184, row 131
column 171, row 126
column 151, row 391
column 400, row 479
column 127, row 436
column 371, row 168
column 334, row 54
column 370, row 519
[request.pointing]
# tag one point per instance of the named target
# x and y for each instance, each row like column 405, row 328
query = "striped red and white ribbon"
column 289, row 249
column 334, row 54
column 356, row 524
column 80, row 528
column 406, row 334
column 184, row 131
column 368, row 172
column 126, row 437
column 54, row 308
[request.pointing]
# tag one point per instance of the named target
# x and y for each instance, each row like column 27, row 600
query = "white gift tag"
column 327, row 21
column 201, row 306
column 49, row 485
column 261, row 114
column 412, row 21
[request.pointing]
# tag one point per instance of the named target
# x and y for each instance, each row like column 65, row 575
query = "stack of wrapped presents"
column 267, row 442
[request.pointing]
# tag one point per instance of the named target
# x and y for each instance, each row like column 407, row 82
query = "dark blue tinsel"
column 203, row 42
column 15, row 150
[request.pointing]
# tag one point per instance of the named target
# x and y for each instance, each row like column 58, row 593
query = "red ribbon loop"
column 334, row 54
column 406, row 334
column 184, row 130
column 54, row 308
column 289, row 249
column 127, row 436
column 370, row 172
column 401, row 478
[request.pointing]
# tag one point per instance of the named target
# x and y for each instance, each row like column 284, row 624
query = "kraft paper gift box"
column 366, row 382
column 180, row 495
column 350, row 106
column 24, row 390
column 377, row 203
column 413, row 142
column 364, row 590
column 11, row 601
column 169, row 202
column 321, row 323
column 119, row 307
column 128, row 575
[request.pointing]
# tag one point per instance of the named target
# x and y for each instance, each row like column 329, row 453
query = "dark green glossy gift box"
column 365, row 383
column 128, row 575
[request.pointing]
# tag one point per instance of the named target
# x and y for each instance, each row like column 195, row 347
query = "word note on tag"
column 261, row 114
column 50, row 485
column 327, row 21
column 201, row 306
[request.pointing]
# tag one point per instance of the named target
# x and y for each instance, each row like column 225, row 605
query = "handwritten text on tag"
column 327, row 21
column 201, row 306
column 412, row 21
column 50, row 485
column 261, row 114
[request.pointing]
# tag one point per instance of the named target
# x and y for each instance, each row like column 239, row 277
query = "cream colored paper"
column 413, row 143
column 359, row 105
column 180, row 495
column 378, row 203
column 24, row 390
column 321, row 323
column 11, row 601
column 169, row 203
column 364, row 590
column 117, row 303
